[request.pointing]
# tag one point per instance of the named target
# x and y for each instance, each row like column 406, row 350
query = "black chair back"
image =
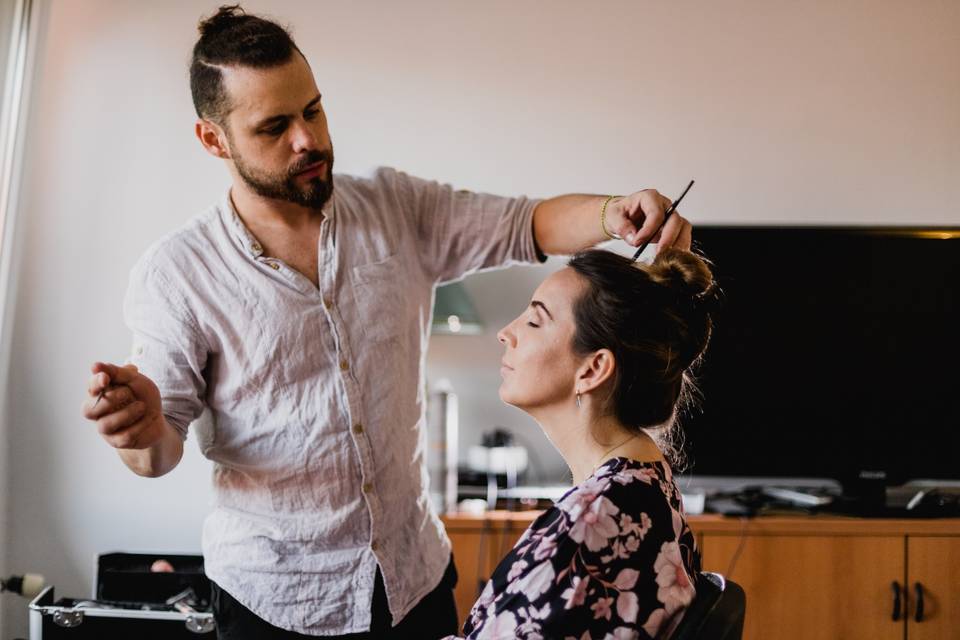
column 716, row 613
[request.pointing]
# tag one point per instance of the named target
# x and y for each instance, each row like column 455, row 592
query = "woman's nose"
column 503, row 336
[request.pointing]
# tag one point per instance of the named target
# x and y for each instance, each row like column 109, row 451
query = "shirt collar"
column 248, row 242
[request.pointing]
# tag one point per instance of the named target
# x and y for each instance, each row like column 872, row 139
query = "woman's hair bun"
column 689, row 275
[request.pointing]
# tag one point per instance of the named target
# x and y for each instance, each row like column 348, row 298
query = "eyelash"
column 535, row 326
column 275, row 131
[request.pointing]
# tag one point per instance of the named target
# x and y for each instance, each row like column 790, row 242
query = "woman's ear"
column 596, row 369
column 213, row 138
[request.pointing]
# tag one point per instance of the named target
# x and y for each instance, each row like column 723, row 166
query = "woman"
column 600, row 358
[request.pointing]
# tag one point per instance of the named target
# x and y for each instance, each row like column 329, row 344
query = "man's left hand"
column 637, row 217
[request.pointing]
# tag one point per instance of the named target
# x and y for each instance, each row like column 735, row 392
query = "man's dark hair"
column 231, row 37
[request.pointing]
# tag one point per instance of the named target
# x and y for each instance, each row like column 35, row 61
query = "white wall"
column 845, row 112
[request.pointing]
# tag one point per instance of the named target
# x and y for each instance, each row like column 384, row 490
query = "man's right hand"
column 129, row 414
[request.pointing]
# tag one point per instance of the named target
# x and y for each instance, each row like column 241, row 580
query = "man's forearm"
column 157, row 460
column 566, row 224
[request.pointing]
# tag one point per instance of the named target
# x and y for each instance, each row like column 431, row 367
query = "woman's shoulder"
column 622, row 485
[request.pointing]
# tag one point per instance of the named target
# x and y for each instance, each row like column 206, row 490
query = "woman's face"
column 539, row 366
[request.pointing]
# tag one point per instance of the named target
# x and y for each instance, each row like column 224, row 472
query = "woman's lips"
column 504, row 367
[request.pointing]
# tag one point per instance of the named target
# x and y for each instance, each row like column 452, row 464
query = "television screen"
column 836, row 351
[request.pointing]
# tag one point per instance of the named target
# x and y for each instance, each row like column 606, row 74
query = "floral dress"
column 613, row 559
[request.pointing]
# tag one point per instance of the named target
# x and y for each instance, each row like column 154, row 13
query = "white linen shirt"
column 316, row 395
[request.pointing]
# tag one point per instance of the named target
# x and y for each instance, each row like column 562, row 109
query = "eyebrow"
column 537, row 303
column 280, row 118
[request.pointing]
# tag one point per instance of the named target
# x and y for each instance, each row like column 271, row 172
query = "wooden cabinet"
column 933, row 574
column 478, row 546
column 805, row 577
column 814, row 587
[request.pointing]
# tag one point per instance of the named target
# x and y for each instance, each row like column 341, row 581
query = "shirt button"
column 367, row 487
column 344, row 365
column 274, row 265
column 374, row 546
column 139, row 350
column 358, row 428
column 327, row 303
column 256, row 248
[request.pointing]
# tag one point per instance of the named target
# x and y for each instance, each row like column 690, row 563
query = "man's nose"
column 303, row 138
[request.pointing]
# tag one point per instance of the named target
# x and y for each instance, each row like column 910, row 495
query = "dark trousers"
column 434, row 617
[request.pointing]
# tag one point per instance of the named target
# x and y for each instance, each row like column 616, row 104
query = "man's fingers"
column 652, row 206
column 685, row 239
column 671, row 230
column 119, row 420
column 126, row 438
column 98, row 382
column 113, row 399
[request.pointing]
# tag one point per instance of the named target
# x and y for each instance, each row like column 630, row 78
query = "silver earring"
column 578, row 399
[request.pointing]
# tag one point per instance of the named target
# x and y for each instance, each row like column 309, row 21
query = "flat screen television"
column 836, row 351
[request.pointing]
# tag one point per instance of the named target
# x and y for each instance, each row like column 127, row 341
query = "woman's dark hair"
column 231, row 37
column 656, row 319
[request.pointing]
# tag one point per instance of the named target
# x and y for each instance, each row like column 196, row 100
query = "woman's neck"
column 586, row 440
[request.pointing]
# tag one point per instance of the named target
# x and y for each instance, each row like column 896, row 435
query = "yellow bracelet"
column 603, row 218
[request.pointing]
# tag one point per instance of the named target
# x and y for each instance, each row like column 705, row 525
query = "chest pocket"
column 378, row 294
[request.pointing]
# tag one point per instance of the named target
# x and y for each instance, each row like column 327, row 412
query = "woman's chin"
column 505, row 395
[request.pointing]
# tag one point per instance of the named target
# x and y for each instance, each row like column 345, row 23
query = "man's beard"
column 314, row 193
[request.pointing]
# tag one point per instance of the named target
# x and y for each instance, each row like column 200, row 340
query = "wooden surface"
column 813, row 587
column 806, row 577
column 791, row 525
column 934, row 562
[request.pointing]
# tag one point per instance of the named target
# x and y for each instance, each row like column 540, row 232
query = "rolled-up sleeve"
column 461, row 231
column 166, row 345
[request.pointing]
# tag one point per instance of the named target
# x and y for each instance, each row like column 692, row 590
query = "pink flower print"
column 628, row 526
column 626, row 476
column 503, row 625
column 597, row 525
column 630, row 546
column 576, row 593
column 626, row 579
column 581, row 497
column 528, row 628
column 485, row 600
column 653, row 623
column 677, row 523
column 622, row 633
column 601, row 608
column 535, row 583
column 628, row 606
column 516, row 569
column 540, row 614
column 546, row 548
column 645, row 524
column 675, row 589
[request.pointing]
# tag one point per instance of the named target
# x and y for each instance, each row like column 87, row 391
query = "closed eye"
column 275, row 130
column 535, row 326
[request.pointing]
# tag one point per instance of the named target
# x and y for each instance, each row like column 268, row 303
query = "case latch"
column 205, row 624
column 67, row 617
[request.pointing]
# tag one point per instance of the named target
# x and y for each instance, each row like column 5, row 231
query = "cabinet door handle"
column 918, row 590
column 896, row 601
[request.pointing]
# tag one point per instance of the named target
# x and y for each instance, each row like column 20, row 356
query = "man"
column 296, row 310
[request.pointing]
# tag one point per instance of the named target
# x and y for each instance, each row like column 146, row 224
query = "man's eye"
column 275, row 130
column 311, row 114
